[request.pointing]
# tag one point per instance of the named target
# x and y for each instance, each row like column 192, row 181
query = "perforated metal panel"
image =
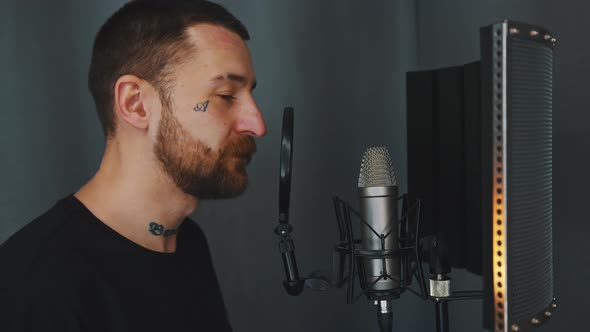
column 522, row 244
column 529, row 167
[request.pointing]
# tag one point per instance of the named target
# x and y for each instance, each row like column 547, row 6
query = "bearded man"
column 172, row 81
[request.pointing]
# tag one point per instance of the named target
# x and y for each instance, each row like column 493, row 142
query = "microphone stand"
column 293, row 284
column 442, row 315
column 385, row 316
column 440, row 282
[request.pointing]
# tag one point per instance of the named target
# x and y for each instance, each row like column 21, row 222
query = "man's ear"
column 130, row 98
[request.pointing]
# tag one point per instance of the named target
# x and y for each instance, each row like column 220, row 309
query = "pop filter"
column 285, row 165
column 293, row 285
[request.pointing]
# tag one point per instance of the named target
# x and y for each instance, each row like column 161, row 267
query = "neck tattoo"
column 158, row 230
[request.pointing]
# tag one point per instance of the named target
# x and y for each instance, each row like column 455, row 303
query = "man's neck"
column 141, row 203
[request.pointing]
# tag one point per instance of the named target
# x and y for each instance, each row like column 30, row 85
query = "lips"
column 245, row 159
column 242, row 148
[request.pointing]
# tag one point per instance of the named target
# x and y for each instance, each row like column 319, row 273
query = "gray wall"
column 342, row 65
column 49, row 135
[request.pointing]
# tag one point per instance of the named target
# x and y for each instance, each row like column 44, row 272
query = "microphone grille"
column 376, row 169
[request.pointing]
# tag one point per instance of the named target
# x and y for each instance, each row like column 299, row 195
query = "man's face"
column 204, row 137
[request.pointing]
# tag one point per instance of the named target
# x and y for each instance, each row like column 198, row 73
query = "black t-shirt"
column 67, row 271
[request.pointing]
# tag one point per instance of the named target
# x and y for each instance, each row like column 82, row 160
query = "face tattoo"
column 201, row 107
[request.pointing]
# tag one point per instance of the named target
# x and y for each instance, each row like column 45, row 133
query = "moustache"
column 243, row 147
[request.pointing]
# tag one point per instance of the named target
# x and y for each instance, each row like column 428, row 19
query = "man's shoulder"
column 192, row 237
column 36, row 280
column 191, row 228
column 39, row 248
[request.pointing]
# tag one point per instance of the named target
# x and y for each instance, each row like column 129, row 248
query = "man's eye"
column 227, row 97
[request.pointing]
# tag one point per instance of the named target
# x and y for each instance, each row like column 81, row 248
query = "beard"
column 196, row 168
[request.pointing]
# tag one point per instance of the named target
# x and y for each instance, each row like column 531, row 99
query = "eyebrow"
column 235, row 78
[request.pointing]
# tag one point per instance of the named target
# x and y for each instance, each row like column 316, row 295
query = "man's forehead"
column 215, row 36
column 220, row 54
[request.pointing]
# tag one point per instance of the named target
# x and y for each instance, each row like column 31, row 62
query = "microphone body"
column 378, row 207
column 380, row 266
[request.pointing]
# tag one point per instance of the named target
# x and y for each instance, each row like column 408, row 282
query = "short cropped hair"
column 148, row 39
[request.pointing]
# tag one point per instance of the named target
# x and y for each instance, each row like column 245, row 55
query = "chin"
column 238, row 185
column 231, row 187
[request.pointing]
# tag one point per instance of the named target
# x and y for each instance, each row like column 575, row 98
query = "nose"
column 250, row 121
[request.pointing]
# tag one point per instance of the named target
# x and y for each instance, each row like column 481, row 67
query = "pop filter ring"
column 292, row 283
column 285, row 165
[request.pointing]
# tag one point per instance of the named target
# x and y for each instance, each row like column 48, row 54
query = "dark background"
column 342, row 65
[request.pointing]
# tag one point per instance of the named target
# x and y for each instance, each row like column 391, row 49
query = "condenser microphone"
column 380, row 271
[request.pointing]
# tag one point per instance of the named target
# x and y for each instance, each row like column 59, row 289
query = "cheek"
column 208, row 129
column 216, row 135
